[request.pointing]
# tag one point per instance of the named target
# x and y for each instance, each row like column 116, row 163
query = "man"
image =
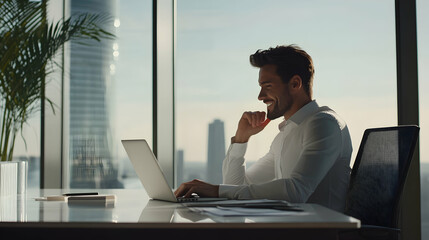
column 308, row 160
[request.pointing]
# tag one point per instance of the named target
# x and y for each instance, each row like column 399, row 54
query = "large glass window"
column 352, row 44
column 423, row 60
column 110, row 95
column 27, row 148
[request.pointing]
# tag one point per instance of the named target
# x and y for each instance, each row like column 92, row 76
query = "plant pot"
column 8, row 209
column 22, row 176
column 8, row 178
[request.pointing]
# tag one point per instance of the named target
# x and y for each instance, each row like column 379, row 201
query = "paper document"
column 254, row 203
column 254, row 207
column 239, row 211
column 236, row 202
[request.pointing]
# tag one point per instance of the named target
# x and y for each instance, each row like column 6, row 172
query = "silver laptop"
column 148, row 170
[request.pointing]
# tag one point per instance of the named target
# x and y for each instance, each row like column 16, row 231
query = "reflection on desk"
column 134, row 206
column 134, row 213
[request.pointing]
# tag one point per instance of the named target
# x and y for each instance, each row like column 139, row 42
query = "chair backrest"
column 379, row 174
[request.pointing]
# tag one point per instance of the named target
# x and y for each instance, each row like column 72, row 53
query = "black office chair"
column 377, row 181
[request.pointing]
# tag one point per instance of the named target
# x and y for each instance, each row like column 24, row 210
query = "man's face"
column 274, row 92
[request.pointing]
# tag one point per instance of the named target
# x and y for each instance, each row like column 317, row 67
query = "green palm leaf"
column 28, row 46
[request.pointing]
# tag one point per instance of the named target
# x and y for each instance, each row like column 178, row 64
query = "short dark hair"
column 290, row 60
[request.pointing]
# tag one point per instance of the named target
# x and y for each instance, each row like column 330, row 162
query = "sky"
column 354, row 60
column 352, row 44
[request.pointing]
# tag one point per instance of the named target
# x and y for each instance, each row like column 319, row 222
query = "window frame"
column 54, row 142
column 408, row 111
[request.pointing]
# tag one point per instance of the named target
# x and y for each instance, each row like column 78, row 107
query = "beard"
column 280, row 111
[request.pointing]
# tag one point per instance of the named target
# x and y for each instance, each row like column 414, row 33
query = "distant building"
column 33, row 170
column 180, row 171
column 216, row 151
column 93, row 163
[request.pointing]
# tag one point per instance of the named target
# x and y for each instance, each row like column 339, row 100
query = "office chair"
column 377, row 181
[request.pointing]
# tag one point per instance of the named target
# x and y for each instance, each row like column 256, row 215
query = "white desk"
column 134, row 213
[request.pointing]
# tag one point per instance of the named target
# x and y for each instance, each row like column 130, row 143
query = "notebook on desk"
column 150, row 173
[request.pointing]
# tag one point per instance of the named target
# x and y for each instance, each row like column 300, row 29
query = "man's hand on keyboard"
column 199, row 187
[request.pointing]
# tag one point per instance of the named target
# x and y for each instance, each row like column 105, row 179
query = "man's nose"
column 261, row 95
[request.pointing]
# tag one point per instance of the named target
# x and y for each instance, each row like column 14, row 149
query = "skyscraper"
column 180, row 171
column 216, row 151
column 92, row 160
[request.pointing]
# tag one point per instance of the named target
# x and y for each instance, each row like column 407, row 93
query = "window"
column 423, row 60
column 110, row 95
column 352, row 45
column 27, row 148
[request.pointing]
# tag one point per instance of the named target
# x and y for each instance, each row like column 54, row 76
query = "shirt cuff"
column 237, row 150
column 227, row 191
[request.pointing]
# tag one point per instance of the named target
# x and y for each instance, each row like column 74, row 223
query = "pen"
column 80, row 194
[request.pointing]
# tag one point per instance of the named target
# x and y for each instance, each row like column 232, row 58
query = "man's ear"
column 295, row 82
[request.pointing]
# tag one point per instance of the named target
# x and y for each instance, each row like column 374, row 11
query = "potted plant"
column 28, row 45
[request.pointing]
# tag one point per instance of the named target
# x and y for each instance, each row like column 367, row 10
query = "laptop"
column 150, row 173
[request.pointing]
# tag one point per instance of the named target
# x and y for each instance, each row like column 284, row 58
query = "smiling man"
column 309, row 159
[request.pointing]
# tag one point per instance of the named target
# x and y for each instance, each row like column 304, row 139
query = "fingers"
column 181, row 190
column 196, row 186
column 250, row 124
column 186, row 189
column 255, row 119
column 186, row 192
column 265, row 123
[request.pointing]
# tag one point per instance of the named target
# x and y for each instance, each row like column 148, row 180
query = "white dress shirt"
column 308, row 161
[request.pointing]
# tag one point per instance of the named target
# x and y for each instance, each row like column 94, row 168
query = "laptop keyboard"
column 191, row 199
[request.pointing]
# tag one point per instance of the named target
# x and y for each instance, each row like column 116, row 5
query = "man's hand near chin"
column 251, row 123
column 201, row 188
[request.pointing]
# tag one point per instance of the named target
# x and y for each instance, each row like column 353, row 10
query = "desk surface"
column 134, row 207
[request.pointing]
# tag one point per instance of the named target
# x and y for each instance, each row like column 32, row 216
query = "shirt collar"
column 298, row 117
